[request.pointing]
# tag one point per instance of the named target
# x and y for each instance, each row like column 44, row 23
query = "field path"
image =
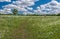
column 21, row 30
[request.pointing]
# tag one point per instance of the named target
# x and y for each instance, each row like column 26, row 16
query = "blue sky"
column 5, row 3
column 34, row 6
column 40, row 2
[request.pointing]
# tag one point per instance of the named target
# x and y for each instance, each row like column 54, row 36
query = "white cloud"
column 52, row 7
column 5, row 0
column 20, row 5
column 5, row 11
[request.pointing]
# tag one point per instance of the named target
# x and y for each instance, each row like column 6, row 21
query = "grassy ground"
column 29, row 27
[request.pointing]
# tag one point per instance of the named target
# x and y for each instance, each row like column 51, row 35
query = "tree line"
column 15, row 12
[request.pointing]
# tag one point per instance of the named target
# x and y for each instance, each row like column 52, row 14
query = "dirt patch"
column 20, row 32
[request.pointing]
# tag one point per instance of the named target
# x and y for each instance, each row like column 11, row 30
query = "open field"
column 29, row 27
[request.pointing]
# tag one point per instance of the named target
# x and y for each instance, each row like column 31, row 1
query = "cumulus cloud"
column 52, row 7
column 20, row 5
column 5, row 0
column 5, row 11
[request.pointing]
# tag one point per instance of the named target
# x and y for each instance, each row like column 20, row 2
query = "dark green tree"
column 15, row 11
column 58, row 14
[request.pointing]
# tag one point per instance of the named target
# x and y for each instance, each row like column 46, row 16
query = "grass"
column 29, row 27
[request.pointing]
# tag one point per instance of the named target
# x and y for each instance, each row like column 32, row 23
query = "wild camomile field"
column 29, row 27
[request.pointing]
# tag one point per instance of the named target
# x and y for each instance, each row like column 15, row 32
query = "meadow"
column 29, row 27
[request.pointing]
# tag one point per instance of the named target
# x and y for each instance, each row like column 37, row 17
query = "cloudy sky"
column 30, row 6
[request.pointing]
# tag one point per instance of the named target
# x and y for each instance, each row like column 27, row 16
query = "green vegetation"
column 58, row 14
column 15, row 11
column 29, row 27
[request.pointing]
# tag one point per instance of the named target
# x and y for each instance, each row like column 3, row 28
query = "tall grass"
column 31, row 27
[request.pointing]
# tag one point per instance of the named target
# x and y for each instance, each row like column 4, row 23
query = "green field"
column 29, row 27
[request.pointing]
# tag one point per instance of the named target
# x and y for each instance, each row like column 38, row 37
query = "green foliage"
column 15, row 11
column 58, row 14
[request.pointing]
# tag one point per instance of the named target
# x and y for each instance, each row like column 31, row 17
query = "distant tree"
column 15, row 11
column 58, row 14
column 0, row 13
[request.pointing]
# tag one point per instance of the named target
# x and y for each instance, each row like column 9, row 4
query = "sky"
column 30, row 6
